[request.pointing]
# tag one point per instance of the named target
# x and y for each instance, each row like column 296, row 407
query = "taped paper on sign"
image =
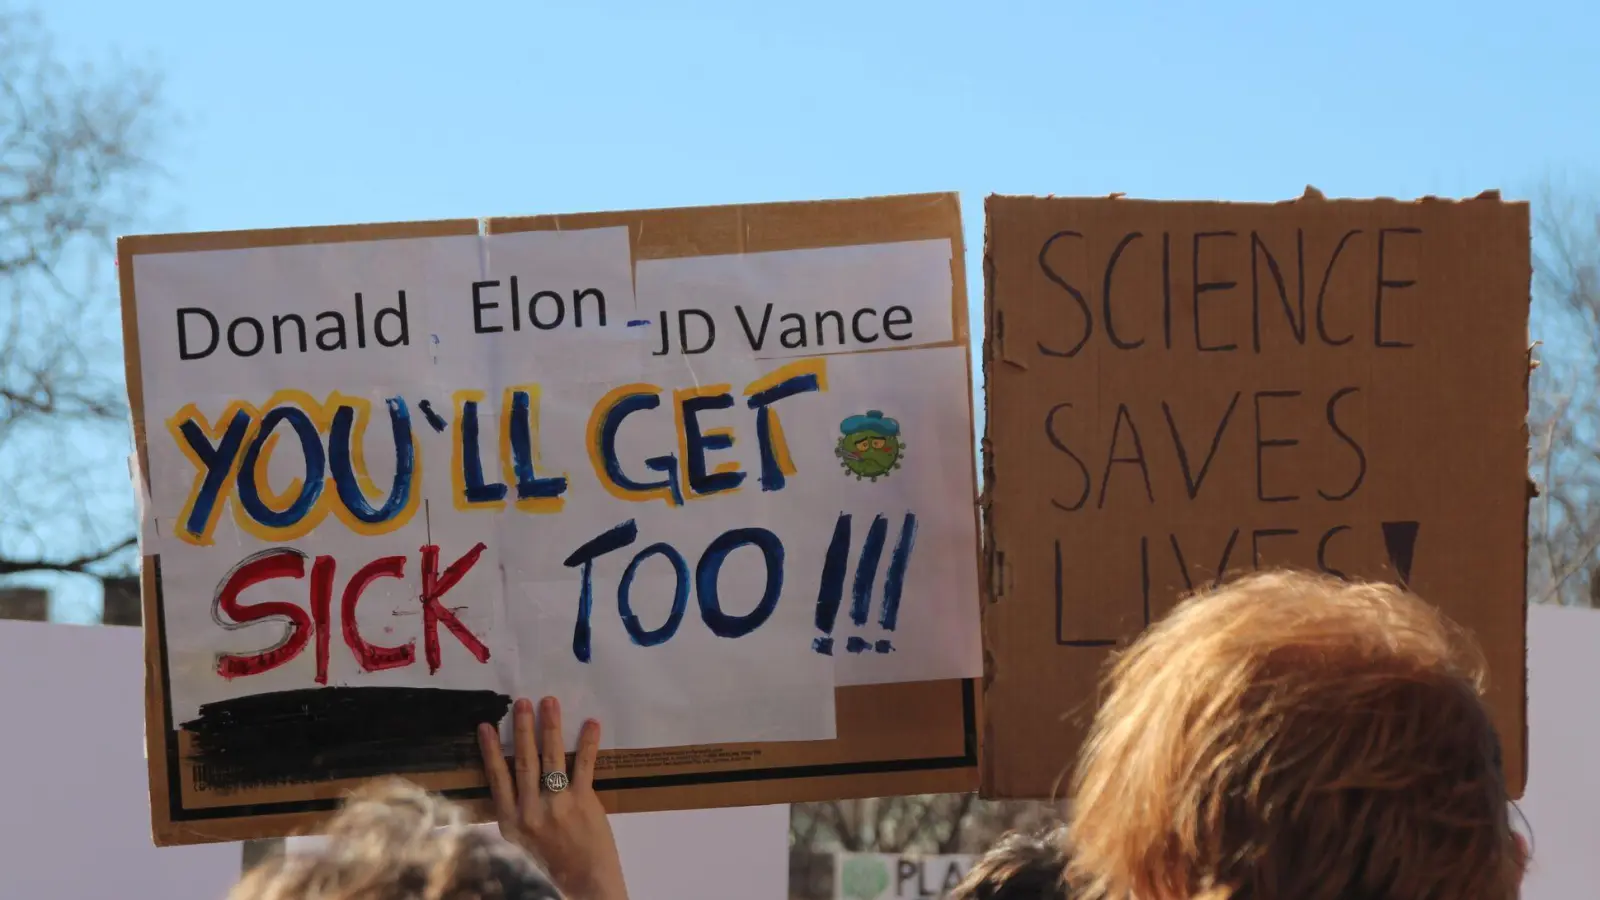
column 547, row 307
column 333, row 494
column 800, row 302
column 316, row 317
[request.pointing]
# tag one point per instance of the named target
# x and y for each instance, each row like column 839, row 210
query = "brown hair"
column 1022, row 866
column 395, row 841
column 1295, row 737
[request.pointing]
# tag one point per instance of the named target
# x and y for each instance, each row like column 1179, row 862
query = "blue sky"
column 333, row 112
column 298, row 113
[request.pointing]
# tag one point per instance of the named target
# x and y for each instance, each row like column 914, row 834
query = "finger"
column 527, row 754
column 588, row 752
column 501, row 790
column 552, row 746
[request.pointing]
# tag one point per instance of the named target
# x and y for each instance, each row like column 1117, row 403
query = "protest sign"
column 889, row 876
column 704, row 474
column 1182, row 391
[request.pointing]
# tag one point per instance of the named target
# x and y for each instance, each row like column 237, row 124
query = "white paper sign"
column 468, row 464
column 801, row 302
column 887, row 876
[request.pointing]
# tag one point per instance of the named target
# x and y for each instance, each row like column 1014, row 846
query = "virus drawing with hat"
column 871, row 446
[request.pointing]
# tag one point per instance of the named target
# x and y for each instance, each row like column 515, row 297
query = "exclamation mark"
column 894, row 582
column 866, row 574
column 831, row 592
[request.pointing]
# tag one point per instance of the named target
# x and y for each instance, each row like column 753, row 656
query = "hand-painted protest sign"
column 1181, row 391
column 705, row 475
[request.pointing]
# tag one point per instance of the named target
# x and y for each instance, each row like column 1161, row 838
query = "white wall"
column 1562, row 802
column 74, row 802
column 703, row 854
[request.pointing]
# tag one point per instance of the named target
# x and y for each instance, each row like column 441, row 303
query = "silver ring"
column 555, row 782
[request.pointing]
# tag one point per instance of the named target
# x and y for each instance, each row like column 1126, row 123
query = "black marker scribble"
column 321, row 734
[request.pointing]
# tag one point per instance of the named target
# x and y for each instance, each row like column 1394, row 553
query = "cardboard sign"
column 1178, row 391
column 696, row 472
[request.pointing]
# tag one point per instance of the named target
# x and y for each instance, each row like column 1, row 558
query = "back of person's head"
column 1295, row 737
column 395, row 841
column 1022, row 866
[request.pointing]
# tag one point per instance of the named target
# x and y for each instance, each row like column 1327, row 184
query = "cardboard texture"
column 1178, row 390
column 893, row 739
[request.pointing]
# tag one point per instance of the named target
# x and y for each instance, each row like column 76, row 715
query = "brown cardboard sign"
column 1178, row 391
column 917, row 734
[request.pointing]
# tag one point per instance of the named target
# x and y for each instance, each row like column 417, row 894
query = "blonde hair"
column 395, row 841
column 1295, row 737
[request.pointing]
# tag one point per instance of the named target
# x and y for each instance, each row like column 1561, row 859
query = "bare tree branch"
column 941, row 823
column 75, row 148
column 952, row 835
column 1564, row 413
column 81, row 564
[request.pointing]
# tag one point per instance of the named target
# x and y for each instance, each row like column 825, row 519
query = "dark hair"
column 395, row 841
column 1021, row 866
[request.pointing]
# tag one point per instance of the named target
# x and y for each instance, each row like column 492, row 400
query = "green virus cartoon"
column 871, row 446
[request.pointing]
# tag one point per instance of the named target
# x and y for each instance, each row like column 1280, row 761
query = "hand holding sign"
column 566, row 829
